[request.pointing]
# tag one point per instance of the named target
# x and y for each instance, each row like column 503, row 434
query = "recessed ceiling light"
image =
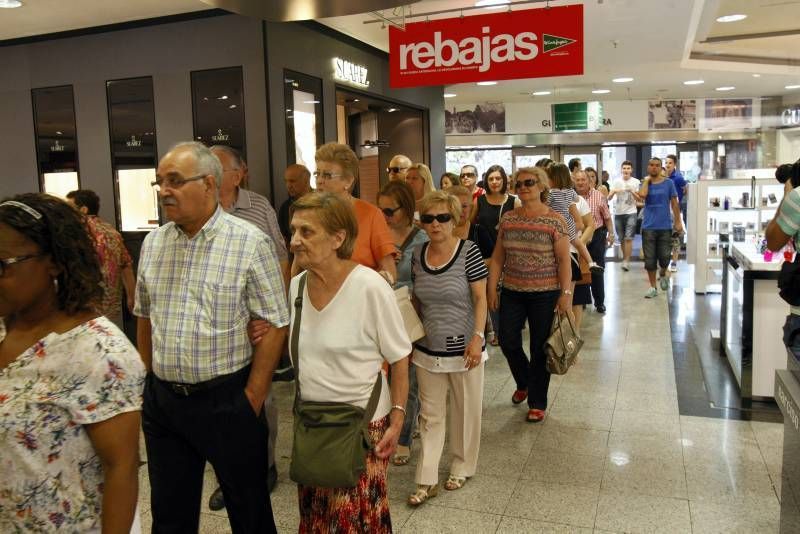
column 726, row 88
column 391, row 110
column 601, row 91
column 792, row 87
column 356, row 100
column 756, row 76
column 624, row 79
column 450, row 95
column 540, row 93
column 10, row 4
column 732, row 18
column 693, row 82
column 232, row 106
column 492, row 4
column 224, row 97
column 59, row 133
column 487, row 83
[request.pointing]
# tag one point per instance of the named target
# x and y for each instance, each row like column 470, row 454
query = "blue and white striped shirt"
column 199, row 294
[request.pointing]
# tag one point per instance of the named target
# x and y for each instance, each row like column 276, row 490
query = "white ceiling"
column 649, row 40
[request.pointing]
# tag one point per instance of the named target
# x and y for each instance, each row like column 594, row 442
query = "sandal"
column 455, row 482
column 422, row 494
column 494, row 341
column 402, row 456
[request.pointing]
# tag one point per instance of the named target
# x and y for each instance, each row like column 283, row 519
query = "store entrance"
column 376, row 130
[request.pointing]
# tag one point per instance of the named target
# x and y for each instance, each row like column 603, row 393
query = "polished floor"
column 614, row 454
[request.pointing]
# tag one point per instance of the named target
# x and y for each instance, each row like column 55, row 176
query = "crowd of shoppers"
column 211, row 296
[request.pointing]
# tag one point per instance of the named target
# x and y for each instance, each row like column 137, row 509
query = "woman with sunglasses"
column 396, row 201
column 532, row 255
column 70, row 381
column 337, row 173
column 469, row 179
column 450, row 291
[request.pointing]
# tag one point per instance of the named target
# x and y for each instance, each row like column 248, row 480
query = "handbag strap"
column 374, row 397
column 409, row 239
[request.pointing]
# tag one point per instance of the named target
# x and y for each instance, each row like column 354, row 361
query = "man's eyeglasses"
column 530, row 182
column 442, row 218
column 174, row 182
column 389, row 212
column 467, row 175
column 11, row 261
column 396, row 170
column 326, row 175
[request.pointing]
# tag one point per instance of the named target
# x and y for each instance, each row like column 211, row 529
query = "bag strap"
column 372, row 404
column 409, row 239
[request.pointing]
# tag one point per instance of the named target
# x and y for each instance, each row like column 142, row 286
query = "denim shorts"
column 626, row 226
column 657, row 248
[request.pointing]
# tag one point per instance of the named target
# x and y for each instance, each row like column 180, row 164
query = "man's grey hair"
column 207, row 163
column 234, row 154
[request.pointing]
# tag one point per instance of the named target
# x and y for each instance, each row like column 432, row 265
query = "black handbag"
column 789, row 281
column 331, row 440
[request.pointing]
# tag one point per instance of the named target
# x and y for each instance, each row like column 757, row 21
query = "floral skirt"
column 362, row 509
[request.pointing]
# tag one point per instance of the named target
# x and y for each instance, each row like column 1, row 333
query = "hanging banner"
column 531, row 43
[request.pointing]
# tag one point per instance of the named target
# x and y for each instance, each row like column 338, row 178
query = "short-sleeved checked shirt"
column 199, row 294
column 256, row 209
column 599, row 205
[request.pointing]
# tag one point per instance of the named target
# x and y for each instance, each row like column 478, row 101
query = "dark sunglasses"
column 442, row 218
column 530, row 182
column 396, row 170
column 467, row 175
column 389, row 211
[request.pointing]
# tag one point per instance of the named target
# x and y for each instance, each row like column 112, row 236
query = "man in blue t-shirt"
column 659, row 196
column 671, row 164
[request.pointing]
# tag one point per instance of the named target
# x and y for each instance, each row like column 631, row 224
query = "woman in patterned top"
column 70, row 381
column 532, row 253
column 450, row 291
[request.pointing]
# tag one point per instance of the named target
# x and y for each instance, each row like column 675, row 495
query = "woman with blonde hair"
column 450, row 291
column 420, row 179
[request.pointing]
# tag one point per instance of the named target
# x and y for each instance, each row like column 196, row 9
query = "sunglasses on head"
column 467, row 175
column 530, row 182
column 442, row 218
column 389, row 211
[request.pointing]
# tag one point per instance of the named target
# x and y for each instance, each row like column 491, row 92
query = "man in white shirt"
column 622, row 190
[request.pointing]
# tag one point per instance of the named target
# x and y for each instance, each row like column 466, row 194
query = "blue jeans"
column 538, row 308
column 412, row 407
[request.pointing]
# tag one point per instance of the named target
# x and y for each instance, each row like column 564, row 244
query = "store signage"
column 346, row 71
column 531, row 43
column 578, row 117
column 57, row 147
column 791, row 116
column 134, row 142
column 219, row 136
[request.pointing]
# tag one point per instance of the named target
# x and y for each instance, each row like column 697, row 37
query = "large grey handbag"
column 563, row 345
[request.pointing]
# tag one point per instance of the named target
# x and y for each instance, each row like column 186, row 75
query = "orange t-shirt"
column 374, row 240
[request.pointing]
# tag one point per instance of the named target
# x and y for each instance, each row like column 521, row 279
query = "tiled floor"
column 613, row 455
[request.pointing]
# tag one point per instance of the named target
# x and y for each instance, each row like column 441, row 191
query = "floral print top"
column 114, row 257
column 50, row 477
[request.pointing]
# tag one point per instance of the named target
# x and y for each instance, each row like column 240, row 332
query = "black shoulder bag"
column 789, row 281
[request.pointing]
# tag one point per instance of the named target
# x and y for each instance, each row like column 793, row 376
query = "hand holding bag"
column 563, row 345
column 331, row 440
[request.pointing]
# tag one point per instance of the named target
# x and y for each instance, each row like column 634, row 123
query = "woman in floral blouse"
column 70, row 381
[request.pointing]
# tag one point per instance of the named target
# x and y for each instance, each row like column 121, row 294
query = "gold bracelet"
column 398, row 407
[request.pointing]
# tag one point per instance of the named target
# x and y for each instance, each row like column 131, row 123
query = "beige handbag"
column 411, row 321
column 563, row 345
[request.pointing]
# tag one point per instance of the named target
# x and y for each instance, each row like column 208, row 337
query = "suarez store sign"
column 531, row 43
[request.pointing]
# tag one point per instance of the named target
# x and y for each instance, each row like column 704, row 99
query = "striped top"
column 200, row 292
column 599, row 206
column 445, row 298
column 560, row 200
column 257, row 210
column 529, row 244
column 788, row 220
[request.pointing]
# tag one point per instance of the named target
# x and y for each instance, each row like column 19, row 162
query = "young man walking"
column 623, row 190
column 659, row 196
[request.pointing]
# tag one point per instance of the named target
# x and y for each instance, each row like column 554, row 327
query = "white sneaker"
column 651, row 293
column 625, row 266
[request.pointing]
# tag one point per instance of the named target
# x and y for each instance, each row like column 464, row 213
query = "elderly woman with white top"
column 450, row 291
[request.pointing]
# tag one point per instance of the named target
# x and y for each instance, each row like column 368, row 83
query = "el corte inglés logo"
column 553, row 42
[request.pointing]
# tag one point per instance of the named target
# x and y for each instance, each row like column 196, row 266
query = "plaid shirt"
column 599, row 206
column 199, row 294
column 256, row 209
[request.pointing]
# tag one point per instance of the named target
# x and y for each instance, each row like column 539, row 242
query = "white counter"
column 748, row 257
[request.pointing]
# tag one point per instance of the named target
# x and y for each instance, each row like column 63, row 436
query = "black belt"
column 190, row 389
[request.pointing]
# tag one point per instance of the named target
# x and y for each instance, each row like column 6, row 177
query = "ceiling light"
column 624, row 79
column 59, row 133
column 224, row 97
column 693, row 82
column 356, row 100
column 391, row 110
column 530, row 146
column 10, row 4
column 450, row 95
column 540, row 93
column 732, row 18
column 232, row 106
column 756, row 76
column 310, row 101
column 792, row 87
column 487, row 83
column 601, row 91
column 726, row 88
column 492, row 4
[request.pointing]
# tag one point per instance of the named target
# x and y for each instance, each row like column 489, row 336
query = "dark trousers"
column 536, row 307
column 597, row 250
column 217, row 425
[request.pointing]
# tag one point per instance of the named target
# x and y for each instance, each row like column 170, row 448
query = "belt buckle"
column 182, row 389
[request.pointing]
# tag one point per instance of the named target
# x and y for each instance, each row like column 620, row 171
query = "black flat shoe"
column 601, row 309
column 216, row 502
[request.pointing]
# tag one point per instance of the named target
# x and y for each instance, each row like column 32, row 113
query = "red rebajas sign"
column 532, row 43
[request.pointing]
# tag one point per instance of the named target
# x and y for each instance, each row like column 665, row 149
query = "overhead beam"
column 746, row 36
